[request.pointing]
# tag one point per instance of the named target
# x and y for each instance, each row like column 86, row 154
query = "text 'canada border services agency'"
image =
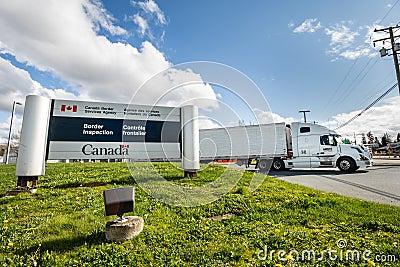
column 100, row 110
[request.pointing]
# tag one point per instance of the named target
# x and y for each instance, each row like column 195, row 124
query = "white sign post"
column 65, row 129
column 32, row 148
column 191, row 146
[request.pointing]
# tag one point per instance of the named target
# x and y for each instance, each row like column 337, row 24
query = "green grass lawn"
column 63, row 224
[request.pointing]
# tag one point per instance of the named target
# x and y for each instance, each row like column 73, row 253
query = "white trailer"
column 281, row 146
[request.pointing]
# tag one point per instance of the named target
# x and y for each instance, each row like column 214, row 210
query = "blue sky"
column 301, row 54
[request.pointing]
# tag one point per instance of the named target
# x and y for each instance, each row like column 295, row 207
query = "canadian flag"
column 73, row 108
column 124, row 146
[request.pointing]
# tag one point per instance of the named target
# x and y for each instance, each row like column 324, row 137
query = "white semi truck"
column 281, row 146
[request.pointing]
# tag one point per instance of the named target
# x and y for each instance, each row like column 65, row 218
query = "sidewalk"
column 385, row 157
column 385, row 161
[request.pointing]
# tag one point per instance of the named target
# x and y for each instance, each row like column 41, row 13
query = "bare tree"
column 15, row 139
column 370, row 137
column 363, row 139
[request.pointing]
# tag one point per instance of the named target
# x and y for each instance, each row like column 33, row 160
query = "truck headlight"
column 357, row 148
column 362, row 157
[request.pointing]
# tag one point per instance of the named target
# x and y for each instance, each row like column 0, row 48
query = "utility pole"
column 395, row 48
column 304, row 114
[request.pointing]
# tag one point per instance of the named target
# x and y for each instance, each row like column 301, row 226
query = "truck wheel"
column 239, row 162
column 278, row 165
column 264, row 165
column 346, row 164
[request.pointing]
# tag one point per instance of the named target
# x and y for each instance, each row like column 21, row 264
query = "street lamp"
column 9, row 133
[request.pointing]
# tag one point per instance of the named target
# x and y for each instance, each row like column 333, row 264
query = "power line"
column 371, row 93
column 351, row 68
column 367, row 108
column 383, row 52
column 354, row 83
column 341, row 84
column 387, row 13
column 357, row 80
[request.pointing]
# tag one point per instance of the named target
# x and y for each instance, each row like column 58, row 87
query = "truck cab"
column 315, row 146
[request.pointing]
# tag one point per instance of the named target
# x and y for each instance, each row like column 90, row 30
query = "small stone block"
column 190, row 174
column 20, row 190
column 121, row 231
column 27, row 181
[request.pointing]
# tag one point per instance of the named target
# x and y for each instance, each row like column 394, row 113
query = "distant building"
column 12, row 157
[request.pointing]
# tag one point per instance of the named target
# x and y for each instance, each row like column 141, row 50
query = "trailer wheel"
column 278, row 165
column 346, row 164
column 264, row 164
column 239, row 162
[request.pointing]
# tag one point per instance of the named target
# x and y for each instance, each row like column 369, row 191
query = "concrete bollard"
column 122, row 230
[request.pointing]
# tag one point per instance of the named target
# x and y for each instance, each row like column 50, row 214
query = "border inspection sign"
column 65, row 129
column 95, row 130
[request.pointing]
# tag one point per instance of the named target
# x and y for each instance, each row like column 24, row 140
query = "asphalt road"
column 380, row 183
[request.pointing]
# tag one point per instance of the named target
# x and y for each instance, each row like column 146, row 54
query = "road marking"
column 366, row 188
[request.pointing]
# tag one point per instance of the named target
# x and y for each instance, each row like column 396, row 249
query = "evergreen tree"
column 386, row 139
column 377, row 142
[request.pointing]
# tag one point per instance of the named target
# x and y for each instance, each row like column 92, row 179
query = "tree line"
column 384, row 140
column 370, row 138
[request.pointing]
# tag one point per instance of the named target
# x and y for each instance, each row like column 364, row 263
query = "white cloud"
column 5, row 128
column 341, row 38
column 149, row 16
column 17, row 83
column 142, row 24
column 345, row 42
column 151, row 7
column 350, row 44
column 101, row 18
column 378, row 119
column 181, row 87
column 309, row 25
column 62, row 38
column 340, row 34
column 207, row 123
column 59, row 38
column 270, row 117
column 358, row 52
